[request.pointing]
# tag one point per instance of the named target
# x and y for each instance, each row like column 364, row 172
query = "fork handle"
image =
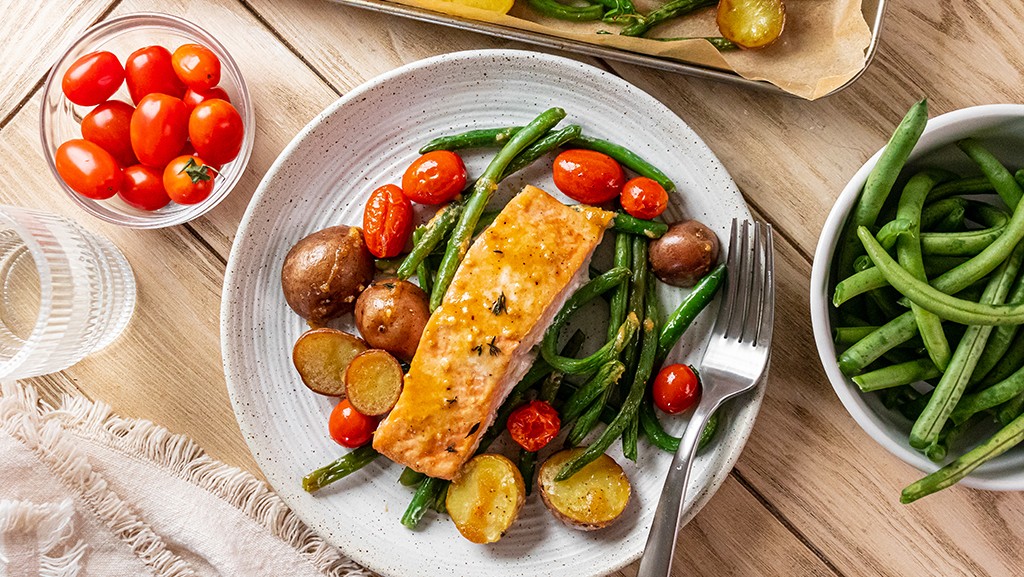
column 661, row 543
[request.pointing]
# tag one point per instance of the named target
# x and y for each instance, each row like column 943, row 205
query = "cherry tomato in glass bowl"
column 88, row 169
column 148, row 70
column 159, row 128
column 587, row 176
column 434, row 178
column 350, row 428
column 387, row 221
column 193, row 98
column 188, row 180
column 215, row 130
column 533, row 425
column 108, row 125
column 675, row 389
column 196, row 66
column 643, row 197
column 143, row 188
column 92, row 78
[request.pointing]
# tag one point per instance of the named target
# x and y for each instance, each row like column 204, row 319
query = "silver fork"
column 735, row 360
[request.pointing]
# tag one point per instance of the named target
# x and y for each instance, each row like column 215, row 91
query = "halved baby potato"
column 751, row 23
column 321, row 357
column 485, row 498
column 373, row 382
column 591, row 499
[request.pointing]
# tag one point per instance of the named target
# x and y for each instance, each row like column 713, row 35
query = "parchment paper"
column 821, row 47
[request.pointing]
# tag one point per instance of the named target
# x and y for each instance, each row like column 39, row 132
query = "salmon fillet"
column 477, row 345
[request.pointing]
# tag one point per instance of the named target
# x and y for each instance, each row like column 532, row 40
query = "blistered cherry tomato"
column 215, row 130
column 643, row 198
column 434, row 178
column 92, row 79
column 192, row 98
column 533, row 425
column 588, row 176
column 108, row 125
column 148, row 70
column 197, row 66
column 88, row 169
column 188, row 180
column 350, row 428
column 387, row 221
column 143, row 187
column 675, row 389
column 159, row 128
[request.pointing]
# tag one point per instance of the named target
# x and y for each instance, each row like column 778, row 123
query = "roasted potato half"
column 391, row 314
column 321, row 356
column 485, row 498
column 373, row 382
column 751, row 23
column 324, row 273
column 591, row 499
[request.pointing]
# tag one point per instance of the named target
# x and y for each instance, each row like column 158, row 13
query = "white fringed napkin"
column 85, row 493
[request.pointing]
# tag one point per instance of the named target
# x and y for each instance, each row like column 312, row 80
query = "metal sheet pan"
column 873, row 10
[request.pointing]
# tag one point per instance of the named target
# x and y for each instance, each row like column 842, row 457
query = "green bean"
column 340, row 468
column 880, row 182
column 1001, row 179
column 608, row 374
column 618, row 10
column 554, row 9
column 549, row 388
column 722, row 44
column 1012, row 360
column 436, row 231
column 527, row 466
column 486, row 218
column 845, row 336
column 887, row 301
column 637, row 293
column 626, row 158
column 611, row 349
column 908, row 251
column 458, row 244
column 631, row 438
column 422, row 501
column 953, row 221
column 936, row 211
column 422, row 270
column 410, row 477
column 667, row 11
column 935, row 265
column 949, row 436
column 550, row 141
column 658, row 437
column 893, row 230
column 969, row 185
column 1011, row 410
column 636, row 392
column 620, row 298
column 897, row 375
column 905, row 400
column 1000, row 340
column 480, row 138
column 687, row 311
column 1007, row 438
column 954, row 380
column 993, row 396
column 870, row 348
column 967, row 243
column 857, row 284
column 638, row 226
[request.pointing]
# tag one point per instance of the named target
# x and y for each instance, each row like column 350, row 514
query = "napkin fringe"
column 52, row 524
column 186, row 460
column 23, row 416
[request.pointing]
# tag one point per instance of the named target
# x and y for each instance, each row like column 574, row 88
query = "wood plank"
column 37, row 33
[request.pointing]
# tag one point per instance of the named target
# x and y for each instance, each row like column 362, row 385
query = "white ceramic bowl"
column 1001, row 128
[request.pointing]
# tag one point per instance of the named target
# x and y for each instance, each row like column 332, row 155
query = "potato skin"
column 592, row 499
column 684, row 254
column 325, row 272
column 391, row 314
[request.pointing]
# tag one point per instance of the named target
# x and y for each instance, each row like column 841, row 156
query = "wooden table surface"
column 811, row 495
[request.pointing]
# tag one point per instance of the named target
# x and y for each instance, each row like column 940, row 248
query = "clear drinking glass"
column 64, row 292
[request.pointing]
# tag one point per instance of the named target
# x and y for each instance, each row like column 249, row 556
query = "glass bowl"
column 59, row 119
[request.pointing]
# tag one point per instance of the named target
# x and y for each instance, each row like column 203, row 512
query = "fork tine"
column 764, row 331
column 725, row 309
column 743, row 277
column 753, row 317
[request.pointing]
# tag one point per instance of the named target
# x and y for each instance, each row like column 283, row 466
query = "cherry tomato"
column 675, row 389
column 143, row 188
column 215, row 129
column 349, row 427
column 588, row 176
column 434, row 178
column 197, row 66
column 192, row 98
column 92, row 79
column 188, row 180
column 387, row 221
column 88, row 169
column 148, row 70
column 643, row 198
column 533, row 425
column 158, row 129
column 108, row 125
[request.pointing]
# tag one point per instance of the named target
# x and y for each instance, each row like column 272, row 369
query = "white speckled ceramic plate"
column 323, row 178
